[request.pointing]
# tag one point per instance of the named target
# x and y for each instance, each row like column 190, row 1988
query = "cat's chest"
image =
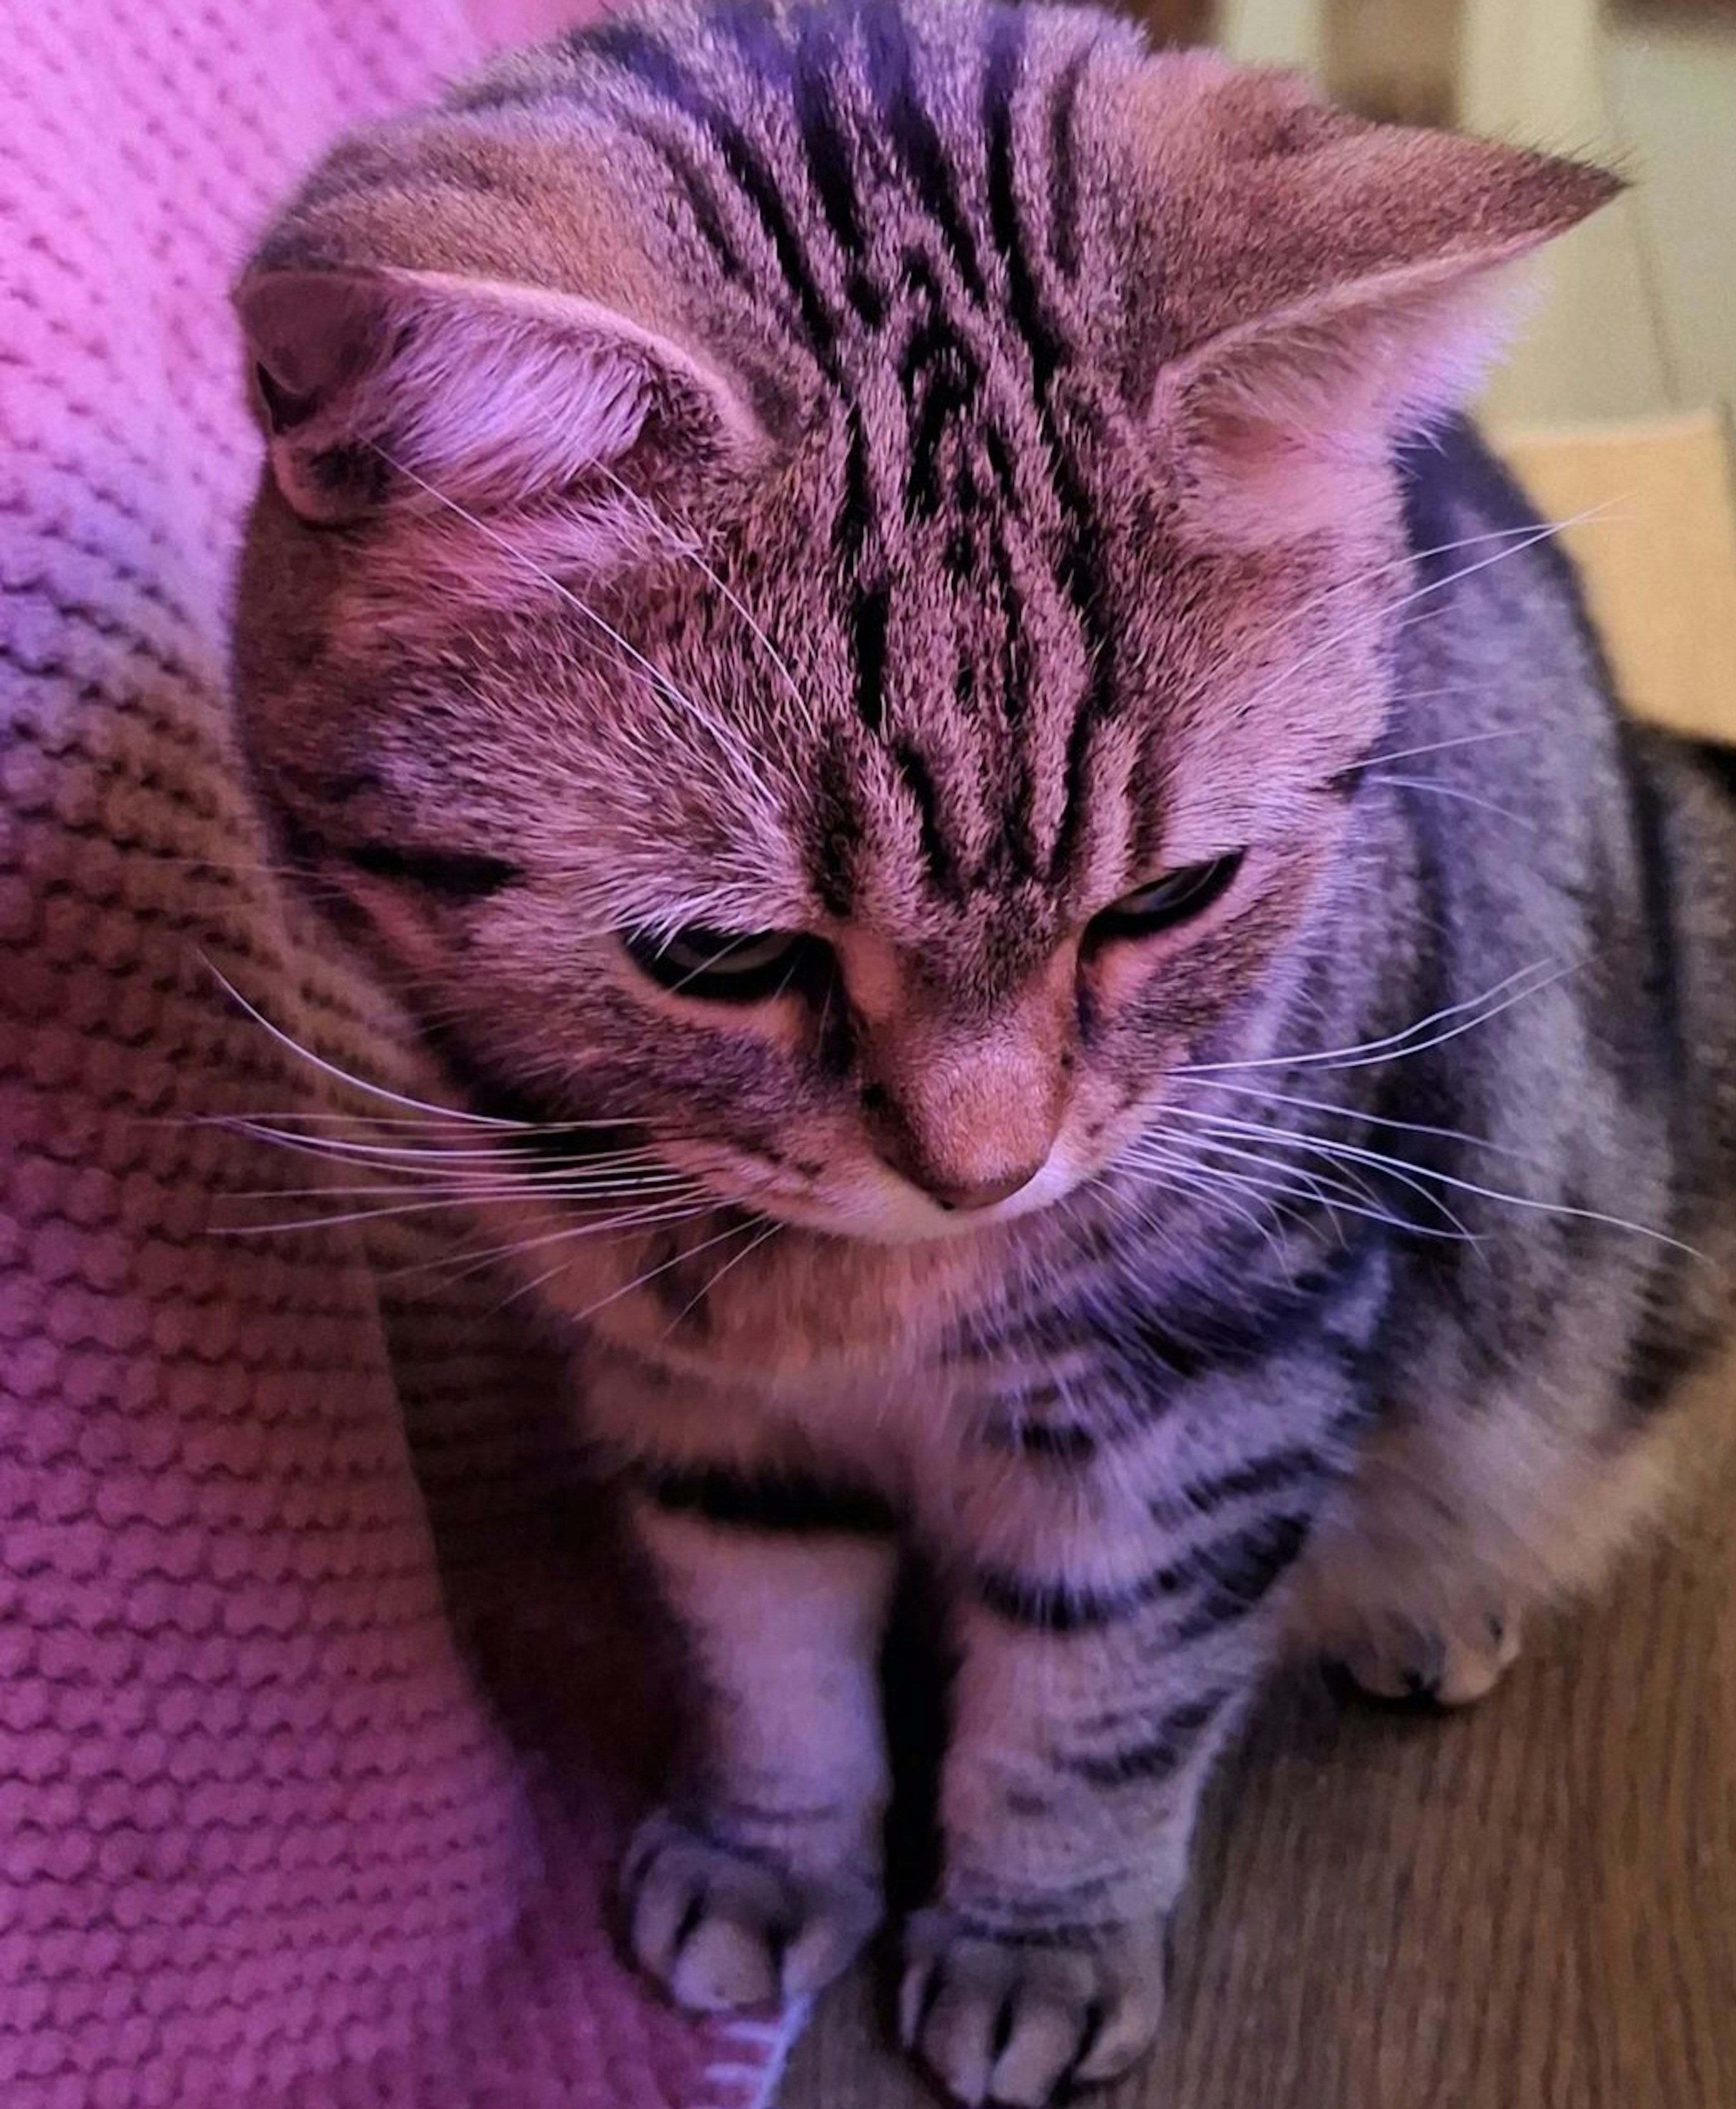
column 869, row 1356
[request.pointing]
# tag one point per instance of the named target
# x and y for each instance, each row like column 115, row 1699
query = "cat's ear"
column 424, row 390
column 1369, row 279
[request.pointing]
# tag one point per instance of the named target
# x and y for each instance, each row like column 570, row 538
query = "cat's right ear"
column 429, row 392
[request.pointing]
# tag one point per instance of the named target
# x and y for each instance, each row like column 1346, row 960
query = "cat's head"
column 824, row 573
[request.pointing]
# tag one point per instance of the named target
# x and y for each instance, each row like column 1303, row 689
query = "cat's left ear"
column 1362, row 281
column 419, row 390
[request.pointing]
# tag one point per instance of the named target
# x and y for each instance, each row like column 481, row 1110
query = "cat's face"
column 829, row 655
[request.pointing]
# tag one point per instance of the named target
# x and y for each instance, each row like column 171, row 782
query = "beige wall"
column 1641, row 312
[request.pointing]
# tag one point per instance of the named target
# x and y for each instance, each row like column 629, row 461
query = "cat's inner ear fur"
column 1372, row 275
column 428, row 392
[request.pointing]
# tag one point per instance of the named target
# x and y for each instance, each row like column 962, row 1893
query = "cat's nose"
column 982, row 1193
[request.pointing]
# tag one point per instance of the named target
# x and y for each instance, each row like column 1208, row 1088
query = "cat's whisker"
column 1261, row 1096
column 1516, row 542
column 335, row 1071
column 690, row 549
column 460, row 1266
column 734, row 1260
column 1410, row 1177
column 525, row 1178
column 1279, row 1178
column 1393, row 1047
column 1424, row 783
column 584, row 1228
column 1275, row 1189
column 342, row 1148
column 637, row 1282
column 729, row 742
column 1444, row 745
column 1407, row 1173
column 1174, row 1176
column 480, row 1191
column 323, row 1117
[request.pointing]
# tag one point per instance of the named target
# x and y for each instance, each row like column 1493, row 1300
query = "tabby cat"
column 881, row 614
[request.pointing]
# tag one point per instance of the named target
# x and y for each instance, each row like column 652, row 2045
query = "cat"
column 883, row 616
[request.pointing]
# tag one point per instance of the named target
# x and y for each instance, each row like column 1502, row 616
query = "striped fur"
column 916, row 473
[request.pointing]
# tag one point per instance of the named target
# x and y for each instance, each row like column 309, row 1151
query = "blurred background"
column 1642, row 315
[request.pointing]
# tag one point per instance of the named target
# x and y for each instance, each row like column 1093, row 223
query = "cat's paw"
column 1019, row 2022
column 1401, row 1663
column 720, row 1930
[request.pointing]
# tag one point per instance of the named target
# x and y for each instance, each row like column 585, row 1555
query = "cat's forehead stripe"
column 951, row 316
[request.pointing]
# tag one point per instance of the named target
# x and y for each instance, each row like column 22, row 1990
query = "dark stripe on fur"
column 914, row 772
column 1669, row 1343
column 835, row 831
column 655, row 67
column 1241, row 1572
column 453, row 874
column 942, row 382
column 1237, row 1571
column 868, row 615
column 1665, row 1347
column 1064, row 1607
column 700, row 201
column 1081, row 570
column 1274, row 1473
column 1063, row 171
column 775, row 1503
column 856, row 509
column 913, row 136
column 1053, row 1442
column 1157, row 1755
column 829, row 163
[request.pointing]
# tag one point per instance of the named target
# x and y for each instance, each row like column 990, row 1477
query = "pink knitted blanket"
column 321, row 1708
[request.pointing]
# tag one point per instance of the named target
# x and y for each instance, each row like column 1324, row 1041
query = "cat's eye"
column 1178, row 897
column 724, row 966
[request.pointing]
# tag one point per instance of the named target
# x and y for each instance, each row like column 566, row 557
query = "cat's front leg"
column 763, row 1878
column 1096, row 1685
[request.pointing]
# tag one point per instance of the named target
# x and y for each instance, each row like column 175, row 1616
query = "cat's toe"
column 1401, row 1663
column 721, row 1930
column 1019, row 2023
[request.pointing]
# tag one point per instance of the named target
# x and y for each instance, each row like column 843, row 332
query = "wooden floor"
column 1533, row 1906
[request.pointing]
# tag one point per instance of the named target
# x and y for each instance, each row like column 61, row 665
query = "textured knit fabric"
column 323, row 1710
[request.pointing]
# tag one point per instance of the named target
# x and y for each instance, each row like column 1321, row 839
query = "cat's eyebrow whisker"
column 689, row 548
column 1424, row 783
column 729, row 741
column 1516, row 542
column 1481, row 1009
column 1442, row 745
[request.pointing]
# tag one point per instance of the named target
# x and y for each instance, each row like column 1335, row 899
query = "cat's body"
column 1217, row 1155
